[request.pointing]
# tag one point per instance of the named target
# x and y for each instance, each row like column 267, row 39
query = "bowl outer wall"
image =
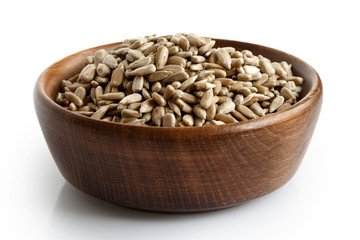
column 178, row 169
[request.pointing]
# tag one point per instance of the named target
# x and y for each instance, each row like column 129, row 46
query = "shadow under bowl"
column 191, row 169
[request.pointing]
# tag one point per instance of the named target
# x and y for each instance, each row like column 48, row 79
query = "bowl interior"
column 51, row 79
column 299, row 67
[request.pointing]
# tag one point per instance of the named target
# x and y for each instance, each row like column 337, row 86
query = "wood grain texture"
column 178, row 169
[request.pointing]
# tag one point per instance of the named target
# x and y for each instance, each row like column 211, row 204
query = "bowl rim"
column 303, row 105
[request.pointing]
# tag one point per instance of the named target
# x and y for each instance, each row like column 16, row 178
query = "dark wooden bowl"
column 178, row 169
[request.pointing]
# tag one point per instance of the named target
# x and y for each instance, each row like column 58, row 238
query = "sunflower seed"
column 216, row 122
column 205, row 48
column 173, row 68
column 139, row 63
column 132, row 98
column 159, row 75
column 169, row 120
column 161, row 57
column 112, row 96
column 157, row 115
column 136, row 122
column 188, row 82
column 226, row 107
column 176, row 60
column 158, row 99
column 110, row 61
column 138, row 84
column 88, row 73
column 199, row 122
column 138, row 43
column 174, row 107
column 239, row 116
column 206, row 99
column 80, row 92
column 246, row 111
column 196, row 67
column 297, row 80
column 195, row 40
column 118, row 76
column 184, row 44
column 198, row 59
column 200, row 112
column 257, row 109
column 147, row 106
column 99, row 56
column 74, row 99
column 276, row 103
column 225, row 118
column 177, row 76
column 127, row 113
column 189, row 98
column 286, row 93
column 211, row 112
column 278, row 69
column 265, row 66
column 186, row 108
column 283, row 107
column 224, row 58
column 188, row 120
column 177, row 94
column 144, row 70
column 145, row 93
column 134, row 55
column 100, row 112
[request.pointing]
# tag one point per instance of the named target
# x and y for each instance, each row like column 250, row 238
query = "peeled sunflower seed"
column 112, row 96
column 99, row 56
column 224, row 58
column 226, row 107
column 133, row 55
column 195, row 40
column 132, row 98
column 188, row 120
column 118, row 76
column 246, row 111
column 88, row 73
column 139, row 63
column 161, row 56
column 158, row 99
column 127, row 113
column 147, row 106
column 169, row 120
column 206, row 99
column 199, row 112
column 157, row 115
column 100, row 112
column 74, row 99
column 276, row 103
column 144, row 70
column 225, row 118
column 177, row 76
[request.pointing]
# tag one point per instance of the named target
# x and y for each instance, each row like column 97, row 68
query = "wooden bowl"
column 191, row 169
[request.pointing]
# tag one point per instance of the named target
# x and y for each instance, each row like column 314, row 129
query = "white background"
column 320, row 202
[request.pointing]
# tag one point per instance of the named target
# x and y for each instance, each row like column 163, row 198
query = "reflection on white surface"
column 72, row 202
column 79, row 216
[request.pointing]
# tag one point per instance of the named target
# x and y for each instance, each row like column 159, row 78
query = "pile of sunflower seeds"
column 178, row 81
